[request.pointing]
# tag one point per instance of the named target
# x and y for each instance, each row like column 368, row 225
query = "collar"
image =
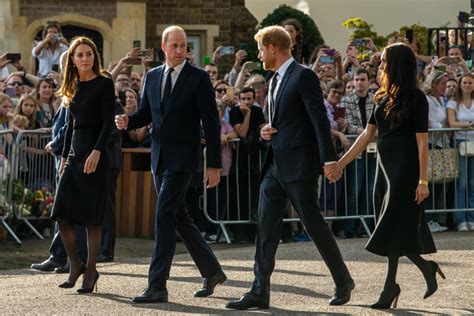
column 284, row 67
column 177, row 69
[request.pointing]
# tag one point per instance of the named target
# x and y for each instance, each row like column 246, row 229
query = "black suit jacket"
column 114, row 145
column 176, row 137
column 303, row 141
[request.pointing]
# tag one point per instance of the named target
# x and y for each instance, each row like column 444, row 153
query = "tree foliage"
column 420, row 32
column 362, row 29
column 311, row 36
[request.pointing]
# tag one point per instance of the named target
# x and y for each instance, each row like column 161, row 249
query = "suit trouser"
column 56, row 250
column 107, row 244
column 172, row 218
column 274, row 194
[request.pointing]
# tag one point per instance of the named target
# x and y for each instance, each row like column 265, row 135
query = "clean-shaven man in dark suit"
column 300, row 139
column 176, row 98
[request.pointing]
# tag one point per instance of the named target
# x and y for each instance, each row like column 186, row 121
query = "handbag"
column 466, row 148
column 443, row 164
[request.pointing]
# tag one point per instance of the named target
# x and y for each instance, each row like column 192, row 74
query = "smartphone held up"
column 227, row 50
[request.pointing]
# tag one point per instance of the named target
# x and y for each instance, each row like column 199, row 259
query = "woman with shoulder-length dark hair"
column 82, row 190
column 401, row 119
column 47, row 102
column 294, row 28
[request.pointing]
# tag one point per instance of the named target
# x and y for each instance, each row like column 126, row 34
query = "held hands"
column 212, row 177
column 333, row 172
column 91, row 162
column 422, row 192
column 267, row 131
column 121, row 121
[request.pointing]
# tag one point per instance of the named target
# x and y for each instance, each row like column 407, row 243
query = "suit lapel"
column 177, row 86
column 158, row 88
column 283, row 83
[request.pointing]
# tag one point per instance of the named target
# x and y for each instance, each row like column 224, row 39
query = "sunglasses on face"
column 221, row 90
column 441, row 68
column 15, row 83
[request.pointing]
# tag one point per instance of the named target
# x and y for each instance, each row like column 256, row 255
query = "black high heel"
column 67, row 284
column 84, row 290
column 388, row 298
column 433, row 283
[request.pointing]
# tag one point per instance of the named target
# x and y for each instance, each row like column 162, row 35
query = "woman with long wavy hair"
column 401, row 119
column 82, row 190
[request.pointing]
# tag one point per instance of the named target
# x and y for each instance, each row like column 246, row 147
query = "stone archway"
column 80, row 20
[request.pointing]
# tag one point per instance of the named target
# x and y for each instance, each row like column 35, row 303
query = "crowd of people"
column 348, row 80
column 313, row 117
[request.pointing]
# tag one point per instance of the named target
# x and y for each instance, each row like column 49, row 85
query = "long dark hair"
column 297, row 48
column 70, row 73
column 398, row 82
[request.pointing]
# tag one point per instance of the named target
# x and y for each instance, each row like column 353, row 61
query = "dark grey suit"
column 293, row 164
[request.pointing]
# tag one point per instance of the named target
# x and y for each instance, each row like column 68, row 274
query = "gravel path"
column 300, row 284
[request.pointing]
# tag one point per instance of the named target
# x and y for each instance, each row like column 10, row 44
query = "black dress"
column 80, row 197
column 400, row 224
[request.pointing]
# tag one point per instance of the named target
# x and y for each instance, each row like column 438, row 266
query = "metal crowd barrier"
column 452, row 184
column 6, row 205
column 235, row 214
column 437, row 36
column 33, row 172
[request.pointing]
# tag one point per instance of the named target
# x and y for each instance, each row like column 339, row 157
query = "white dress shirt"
column 174, row 76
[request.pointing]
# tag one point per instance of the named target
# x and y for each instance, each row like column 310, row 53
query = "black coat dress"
column 400, row 224
column 80, row 197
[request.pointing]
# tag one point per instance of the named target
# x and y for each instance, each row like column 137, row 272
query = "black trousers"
column 172, row 219
column 274, row 194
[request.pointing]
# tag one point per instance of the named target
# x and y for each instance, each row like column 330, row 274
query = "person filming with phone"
column 454, row 61
column 50, row 48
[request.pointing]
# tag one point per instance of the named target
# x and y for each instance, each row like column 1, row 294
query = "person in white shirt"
column 50, row 48
column 434, row 88
column 461, row 115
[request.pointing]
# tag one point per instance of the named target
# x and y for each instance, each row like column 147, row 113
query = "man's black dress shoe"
column 209, row 284
column 152, row 295
column 342, row 294
column 250, row 300
column 63, row 269
column 46, row 266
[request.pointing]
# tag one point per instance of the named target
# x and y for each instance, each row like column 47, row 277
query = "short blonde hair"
column 432, row 80
column 21, row 120
column 170, row 29
column 274, row 35
column 4, row 97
